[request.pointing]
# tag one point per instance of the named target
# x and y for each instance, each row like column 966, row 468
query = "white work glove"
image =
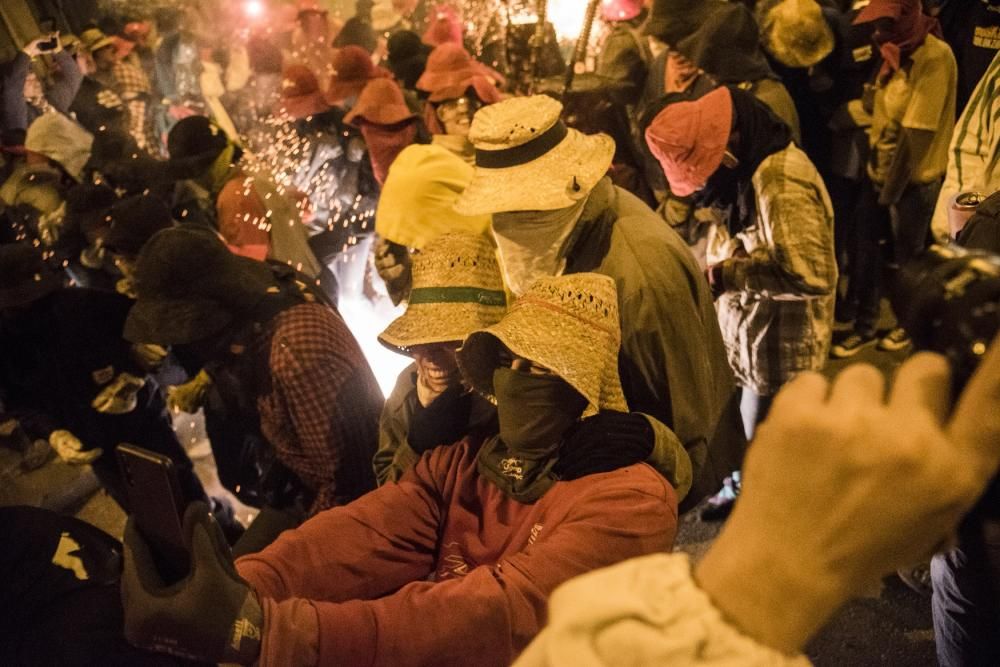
column 149, row 356
column 190, row 396
column 843, row 485
column 70, row 449
column 121, row 396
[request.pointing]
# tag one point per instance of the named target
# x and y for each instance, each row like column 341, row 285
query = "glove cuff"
column 246, row 635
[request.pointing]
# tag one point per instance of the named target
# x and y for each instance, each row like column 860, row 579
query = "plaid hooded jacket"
column 777, row 317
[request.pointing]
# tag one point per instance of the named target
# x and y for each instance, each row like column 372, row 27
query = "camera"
column 948, row 300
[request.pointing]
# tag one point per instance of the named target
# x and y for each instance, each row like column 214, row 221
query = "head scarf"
column 761, row 134
column 910, row 27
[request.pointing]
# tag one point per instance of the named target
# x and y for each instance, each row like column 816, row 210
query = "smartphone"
column 157, row 507
column 47, row 26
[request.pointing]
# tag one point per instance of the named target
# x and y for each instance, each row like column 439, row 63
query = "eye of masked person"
column 508, row 359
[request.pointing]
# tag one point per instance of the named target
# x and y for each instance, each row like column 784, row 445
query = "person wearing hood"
column 56, row 152
column 727, row 48
column 457, row 86
column 87, row 389
column 256, row 219
column 913, row 119
column 284, row 363
column 352, row 70
column 773, row 270
column 416, row 207
column 454, row 563
column 555, row 212
column 972, row 29
column 407, row 59
column 457, row 289
column 311, row 41
column 624, row 52
column 386, row 123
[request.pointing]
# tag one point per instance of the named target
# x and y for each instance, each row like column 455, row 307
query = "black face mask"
column 535, row 411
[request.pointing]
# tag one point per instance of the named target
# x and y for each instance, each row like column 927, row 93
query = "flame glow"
column 567, row 17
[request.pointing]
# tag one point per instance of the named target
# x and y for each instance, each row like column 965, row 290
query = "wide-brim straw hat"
column 94, row 40
column 24, row 277
column 527, row 159
column 382, row 103
column 457, row 289
column 568, row 324
column 795, row 32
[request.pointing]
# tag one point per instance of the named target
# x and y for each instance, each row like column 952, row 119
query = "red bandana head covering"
column 909, row 28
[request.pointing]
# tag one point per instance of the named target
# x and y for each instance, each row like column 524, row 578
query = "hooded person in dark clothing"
column 285, row 366
column 87, row 388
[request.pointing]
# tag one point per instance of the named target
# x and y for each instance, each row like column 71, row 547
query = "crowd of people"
column 606, row 293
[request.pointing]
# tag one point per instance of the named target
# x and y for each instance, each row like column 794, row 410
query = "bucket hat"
column 194, row 143
column 381, row 103
column 94, row 39
column 300, row 93
column 352, row 70
column 445, row 26
column 24, row 276
column 795, row 32
column 527, row 159
column 689, row 139
column 419, row 194
column 133, row 221
column 620, row 10
column 568, row 324
column 673, row 20
column 451, row 71
column 190, row 287
column 457, row 289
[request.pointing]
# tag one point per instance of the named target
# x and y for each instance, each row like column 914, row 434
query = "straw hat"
column 796, row 33
column 300, row 93
column 457, row 289
column 352, row 70
column 419, row 194
column 568, row 324
column 528, row 160
column 94, row 40
column 689, row 139
column 381, row 103
column 451, row 71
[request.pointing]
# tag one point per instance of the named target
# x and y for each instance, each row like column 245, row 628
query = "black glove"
column 211, row 615
column 444, row 422
column 607, row 441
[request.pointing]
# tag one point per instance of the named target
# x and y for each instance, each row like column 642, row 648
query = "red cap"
column 689, row 140
column 620, row 10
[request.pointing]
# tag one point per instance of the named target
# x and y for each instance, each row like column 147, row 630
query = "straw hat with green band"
column 457, row 288
column 569, row 325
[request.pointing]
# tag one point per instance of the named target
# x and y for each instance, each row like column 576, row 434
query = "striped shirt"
column 975, row 148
